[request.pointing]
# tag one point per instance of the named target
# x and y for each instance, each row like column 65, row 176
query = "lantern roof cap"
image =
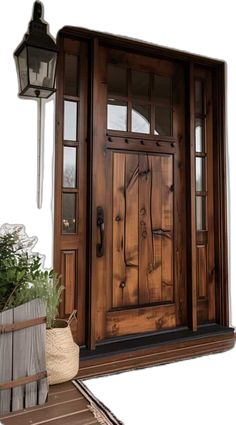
column 38, row 32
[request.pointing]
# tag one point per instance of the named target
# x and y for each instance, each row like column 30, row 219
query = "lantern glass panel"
column 22, row 65
column 42, row 67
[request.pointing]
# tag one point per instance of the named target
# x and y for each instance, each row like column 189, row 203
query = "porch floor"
column 65, row 406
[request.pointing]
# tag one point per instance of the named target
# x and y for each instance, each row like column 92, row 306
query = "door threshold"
column 152, row 350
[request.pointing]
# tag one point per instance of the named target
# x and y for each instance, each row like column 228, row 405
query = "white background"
column 183, row 393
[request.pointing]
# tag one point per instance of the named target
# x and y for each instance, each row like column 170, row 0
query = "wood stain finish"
column 137, row 239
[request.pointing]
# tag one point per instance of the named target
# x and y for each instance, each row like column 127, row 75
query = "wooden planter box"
column 23, row 376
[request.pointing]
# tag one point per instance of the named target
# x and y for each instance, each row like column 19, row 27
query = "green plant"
column 45, row 286
column 17, row 265
column 22, row 276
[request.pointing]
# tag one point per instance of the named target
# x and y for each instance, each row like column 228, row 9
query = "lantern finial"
column 37, row 13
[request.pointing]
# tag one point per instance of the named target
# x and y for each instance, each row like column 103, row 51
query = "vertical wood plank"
column 202, row 271
column 69, row 280
column 130, row 291
column 145, row 228
column 119, row 272
column 192, row 187
column 20, row 362
column 38, row 337
column 167, row 227
column 210, row 200
column 125, row 230
column 5, row 361
column 28, row 355
column 98, row 265
column 154, row 276
column 182, row 191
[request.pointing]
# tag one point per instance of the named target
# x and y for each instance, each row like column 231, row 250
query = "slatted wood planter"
column 23, row 376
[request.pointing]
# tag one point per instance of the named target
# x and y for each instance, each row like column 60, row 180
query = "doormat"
column 101, row 412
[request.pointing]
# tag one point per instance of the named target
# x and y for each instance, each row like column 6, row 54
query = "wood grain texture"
column 48, row 413
column 66, row 405
column 155, row 271
column 69, row 267
column 77, row 241
column 202, row 271
column 162, row 353
column 5, row 361
column 147, row 267
column 29, row 356
column 167, row 225
column 145, row 229
column 143, row 319
column 142, row 229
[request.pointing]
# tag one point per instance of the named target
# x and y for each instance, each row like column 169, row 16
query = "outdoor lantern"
column 36, row 59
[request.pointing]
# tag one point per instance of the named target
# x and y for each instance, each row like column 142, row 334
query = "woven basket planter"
column 62, row 353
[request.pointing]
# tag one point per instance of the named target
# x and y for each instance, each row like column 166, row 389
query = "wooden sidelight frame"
column 207, row 327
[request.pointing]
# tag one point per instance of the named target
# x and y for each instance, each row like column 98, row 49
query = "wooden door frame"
column 220, row 202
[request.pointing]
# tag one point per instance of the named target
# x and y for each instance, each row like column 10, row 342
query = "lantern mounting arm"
column 40, row 152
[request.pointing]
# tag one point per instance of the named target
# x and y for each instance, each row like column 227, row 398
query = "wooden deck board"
column 66, row 405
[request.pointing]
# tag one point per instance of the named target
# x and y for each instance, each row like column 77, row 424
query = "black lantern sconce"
column 36, row 61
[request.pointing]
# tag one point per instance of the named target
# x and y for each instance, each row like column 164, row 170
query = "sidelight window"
column 70, row 144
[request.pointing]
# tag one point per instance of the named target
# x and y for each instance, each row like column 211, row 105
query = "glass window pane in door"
column 117, row 80
column 117, row 115
column 199, row 135
column 162, row 90
column 163, row 121
column 201, row 212
column 68, row 213
column 69, row 167
column 200, row 174
column 70, row 120
column 141, row 118
column 140, row 86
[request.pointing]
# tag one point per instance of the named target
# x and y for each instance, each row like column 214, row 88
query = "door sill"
column 152, row 350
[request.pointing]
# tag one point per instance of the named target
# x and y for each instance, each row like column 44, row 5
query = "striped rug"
column 101, row 412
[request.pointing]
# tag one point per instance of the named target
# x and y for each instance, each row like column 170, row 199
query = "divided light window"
column 139, row 102
column 70, row 143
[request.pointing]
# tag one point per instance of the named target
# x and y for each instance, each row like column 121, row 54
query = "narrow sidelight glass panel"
column 140, row 84
column 117, row 115
column 69, row 167
column 200, row 174
column 141, row 118
column 201, row 212
column 199, row 97
column 117, row 80
column 199, row 135
column 163, row 121
column 71, row 85
column 70, row 120
column 162, row 90
column 68, row 213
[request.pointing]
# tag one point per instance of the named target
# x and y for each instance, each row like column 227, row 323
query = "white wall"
column 203, row 27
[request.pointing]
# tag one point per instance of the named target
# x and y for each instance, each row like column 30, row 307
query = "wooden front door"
column 138, row 276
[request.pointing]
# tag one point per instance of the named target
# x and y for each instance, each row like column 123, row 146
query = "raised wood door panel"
column 139, row 284
column 142, row 229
